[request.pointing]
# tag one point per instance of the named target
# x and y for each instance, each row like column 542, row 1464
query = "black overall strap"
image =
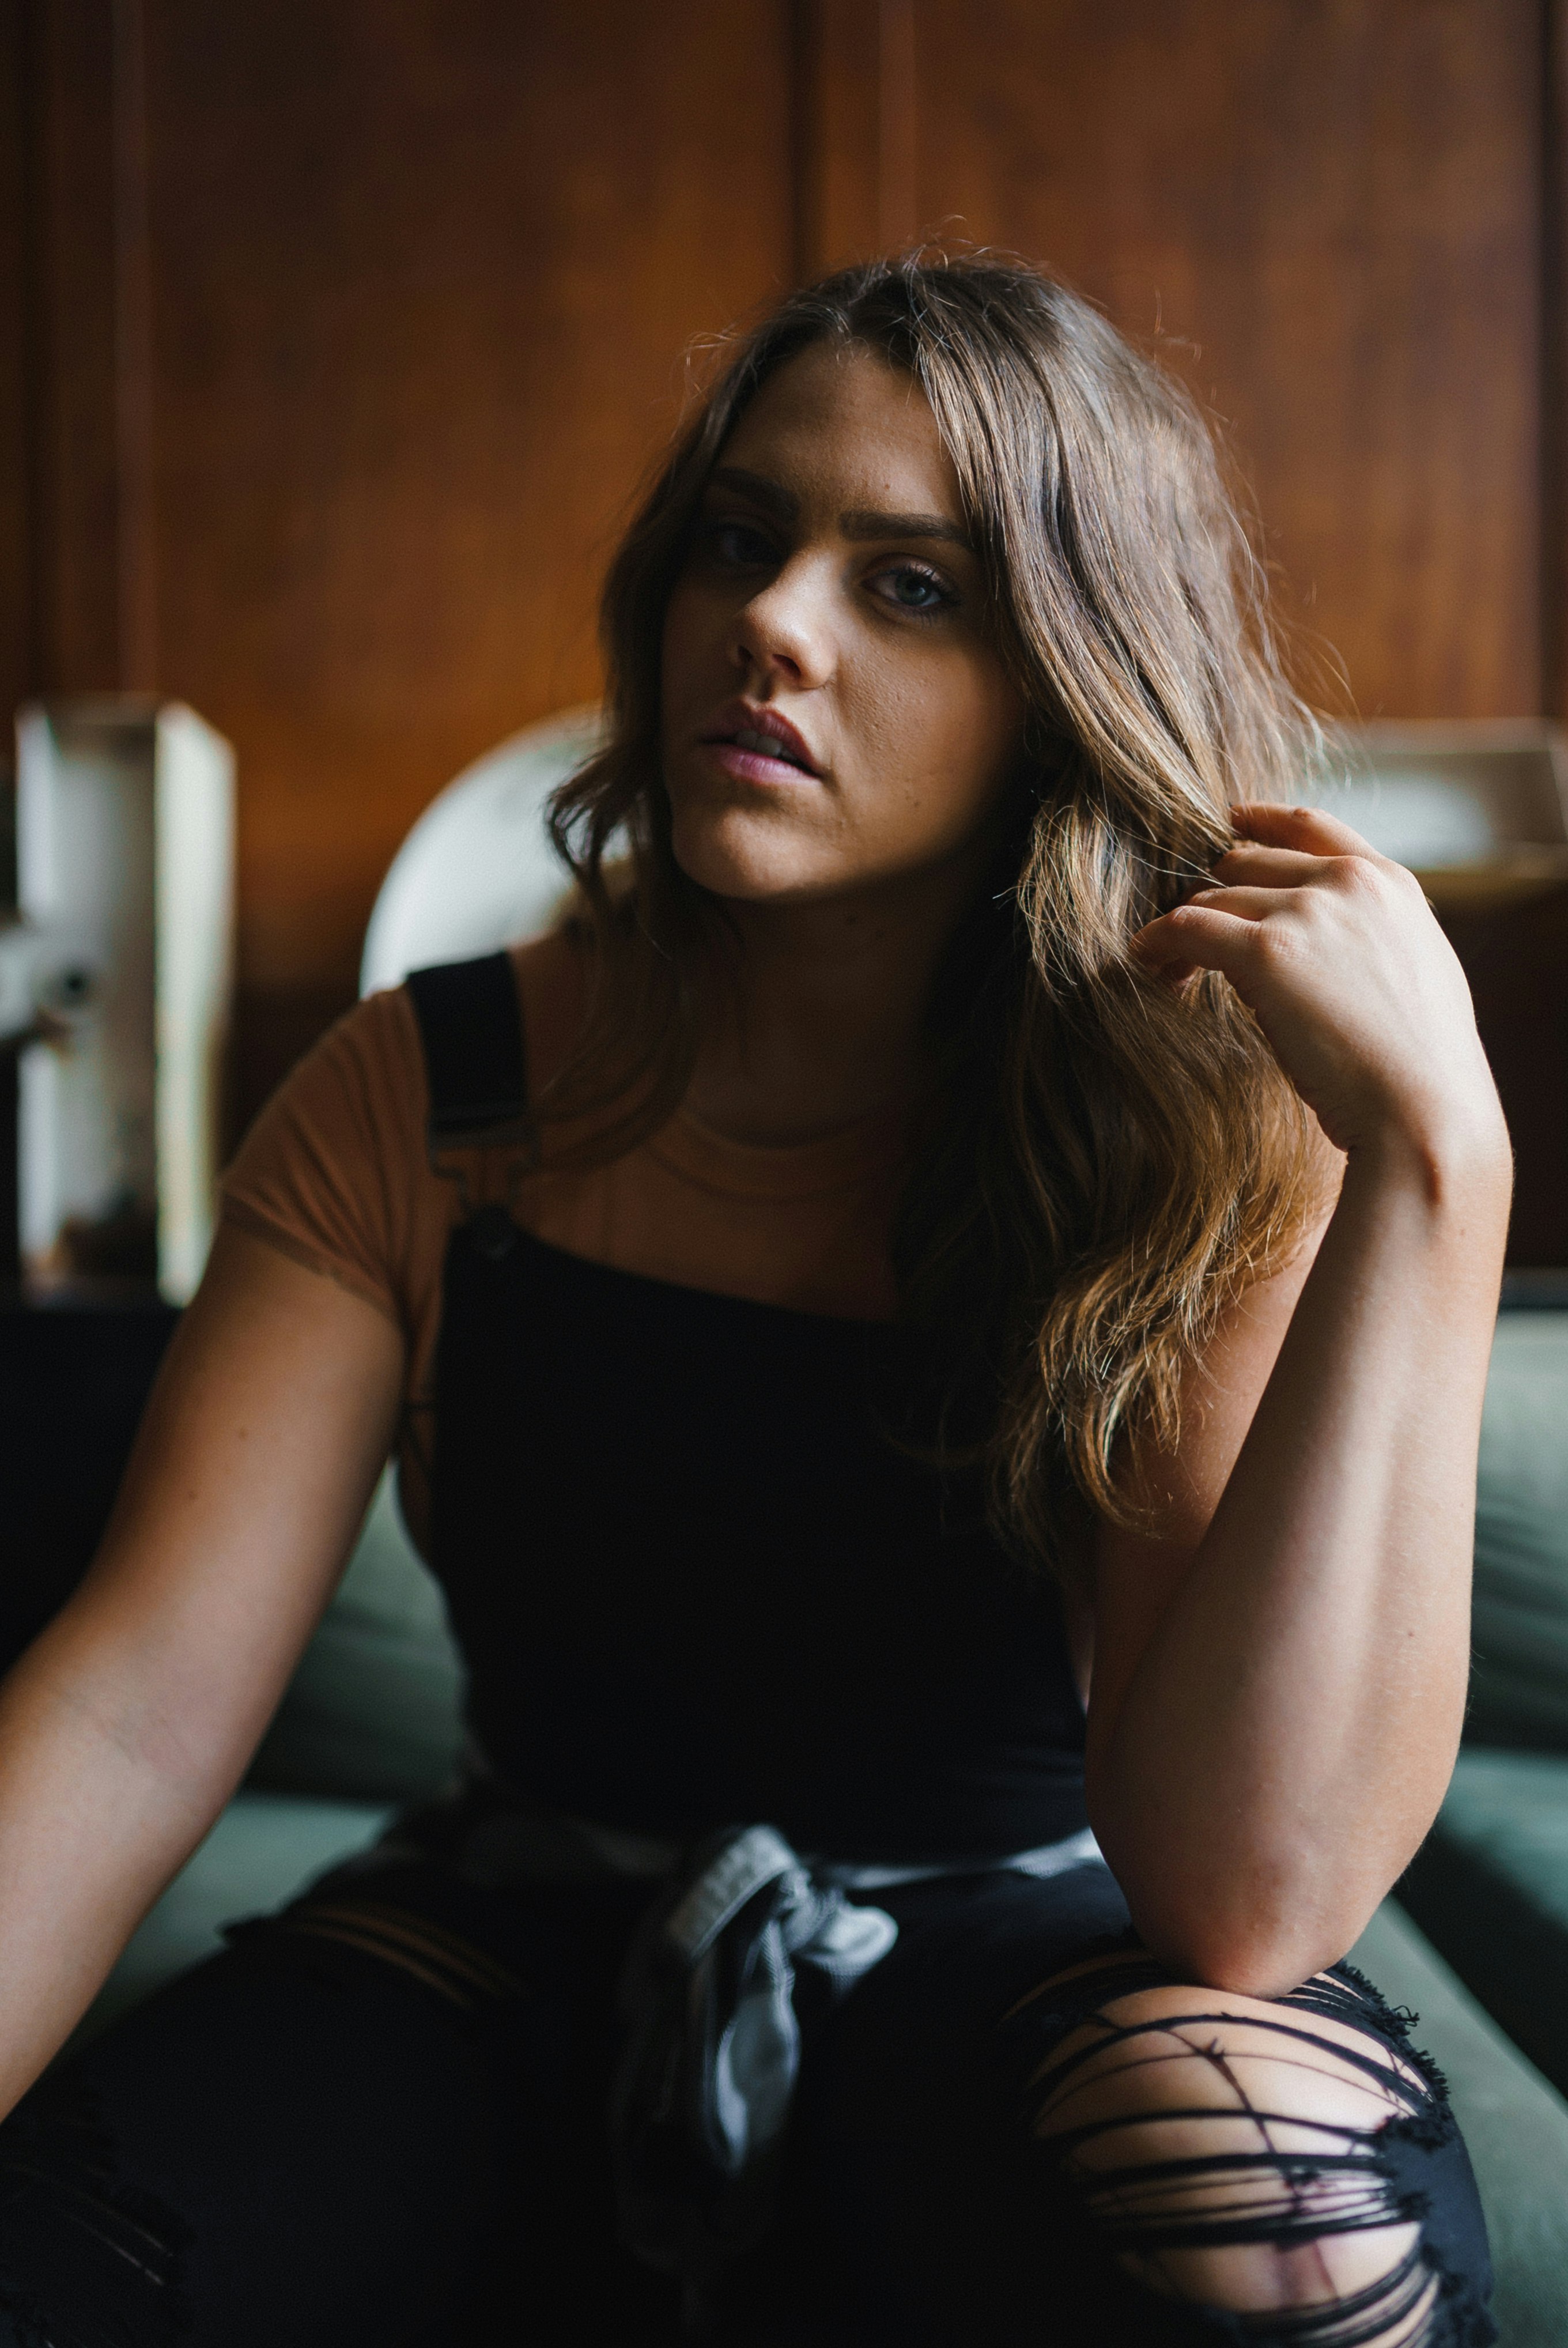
column 472, row 1028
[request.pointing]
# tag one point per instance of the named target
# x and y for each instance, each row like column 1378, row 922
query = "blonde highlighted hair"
column 1109, row 1161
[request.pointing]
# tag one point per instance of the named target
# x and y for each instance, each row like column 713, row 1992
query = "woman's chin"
column 729, row 858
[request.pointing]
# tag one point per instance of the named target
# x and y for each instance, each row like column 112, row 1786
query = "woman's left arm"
column 1279, row 1679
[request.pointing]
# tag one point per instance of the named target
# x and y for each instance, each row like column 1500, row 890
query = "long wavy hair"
column 1107, row 1161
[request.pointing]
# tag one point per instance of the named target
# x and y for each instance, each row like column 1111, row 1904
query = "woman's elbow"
column 1260, row 1940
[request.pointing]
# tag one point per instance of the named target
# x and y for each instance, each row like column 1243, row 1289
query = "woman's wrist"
column 1454, row 1158
column 1453, row 1152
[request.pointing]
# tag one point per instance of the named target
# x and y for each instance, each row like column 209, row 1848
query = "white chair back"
column 478, row 870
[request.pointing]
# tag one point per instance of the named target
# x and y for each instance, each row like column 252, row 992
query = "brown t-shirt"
column 335, row 1173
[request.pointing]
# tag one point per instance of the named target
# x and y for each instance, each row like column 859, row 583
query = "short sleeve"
column 333, row 1172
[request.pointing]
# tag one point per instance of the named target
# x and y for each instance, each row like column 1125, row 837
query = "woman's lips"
column 757, row 744
column 755, row 765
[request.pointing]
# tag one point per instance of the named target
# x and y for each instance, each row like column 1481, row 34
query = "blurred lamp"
column 113, row 988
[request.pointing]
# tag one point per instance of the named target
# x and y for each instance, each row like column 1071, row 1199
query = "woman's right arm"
column 128, row 1721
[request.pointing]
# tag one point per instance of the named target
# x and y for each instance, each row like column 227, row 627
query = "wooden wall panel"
column 421, row 277
column 1329, row 212
column 346, row 325
column 16, row 275
column 74, row 456
column 1555, row 360
column 856, row 157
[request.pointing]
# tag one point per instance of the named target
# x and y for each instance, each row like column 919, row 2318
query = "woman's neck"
column 822, row 1025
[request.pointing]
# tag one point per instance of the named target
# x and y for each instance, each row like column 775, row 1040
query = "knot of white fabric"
column 711, row 2053
column 711, row 2046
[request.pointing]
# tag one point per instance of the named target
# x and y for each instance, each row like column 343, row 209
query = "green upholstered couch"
column 1476, row 1943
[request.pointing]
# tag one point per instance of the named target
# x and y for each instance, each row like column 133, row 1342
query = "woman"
column 918, row 1261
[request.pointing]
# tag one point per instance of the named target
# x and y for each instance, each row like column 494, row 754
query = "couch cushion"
column 1490, row 1889
column 374, row 1712
column 1519, row 1683
column 1515, row 2125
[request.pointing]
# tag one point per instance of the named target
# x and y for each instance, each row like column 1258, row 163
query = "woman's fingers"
column 1200, row 936
column 1285, row 847
column 1337, row 954
column 1306, row 828
column 1277, row 867
column 1248, row 904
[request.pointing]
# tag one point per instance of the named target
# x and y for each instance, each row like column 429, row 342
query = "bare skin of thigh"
column 1226, row 2147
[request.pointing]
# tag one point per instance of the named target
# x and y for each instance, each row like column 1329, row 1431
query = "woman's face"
column 835, row 715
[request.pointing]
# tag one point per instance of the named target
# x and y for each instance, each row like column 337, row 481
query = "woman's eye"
column 739, row 546
column 913, row 588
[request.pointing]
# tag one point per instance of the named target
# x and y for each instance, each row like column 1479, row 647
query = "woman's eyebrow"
column 863, row 522
column 771, row 496
column 866, row 522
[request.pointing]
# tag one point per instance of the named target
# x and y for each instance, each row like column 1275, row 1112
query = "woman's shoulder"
column 360, row 1089
column 335, row 1170
column 362, row 1092
column 331, row 1167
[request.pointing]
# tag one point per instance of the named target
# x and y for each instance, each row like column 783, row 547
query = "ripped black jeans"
column 379, row 2119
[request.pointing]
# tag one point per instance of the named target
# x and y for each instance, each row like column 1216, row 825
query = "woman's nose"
column 786, row 631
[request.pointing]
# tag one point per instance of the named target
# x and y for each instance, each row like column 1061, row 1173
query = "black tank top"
column 695, row 1578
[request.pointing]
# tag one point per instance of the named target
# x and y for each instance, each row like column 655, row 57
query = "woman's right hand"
column 127, row 1722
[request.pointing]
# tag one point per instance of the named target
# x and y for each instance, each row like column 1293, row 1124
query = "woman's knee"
column 1262, row 2159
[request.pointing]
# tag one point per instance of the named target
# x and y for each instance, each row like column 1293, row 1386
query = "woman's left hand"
column 1337, row 952
column 1272, row 1726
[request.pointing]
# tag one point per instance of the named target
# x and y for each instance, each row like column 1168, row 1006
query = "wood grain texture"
column 17, row 606
column 74, row 510
column 135, row 547
column 341, row 329
column 857, row 149
column 1554, row 359
column 73, row 349
column 838, row 69
column 17, row 551
column 898, row 125
column 1327, row 214
column 421, row 278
